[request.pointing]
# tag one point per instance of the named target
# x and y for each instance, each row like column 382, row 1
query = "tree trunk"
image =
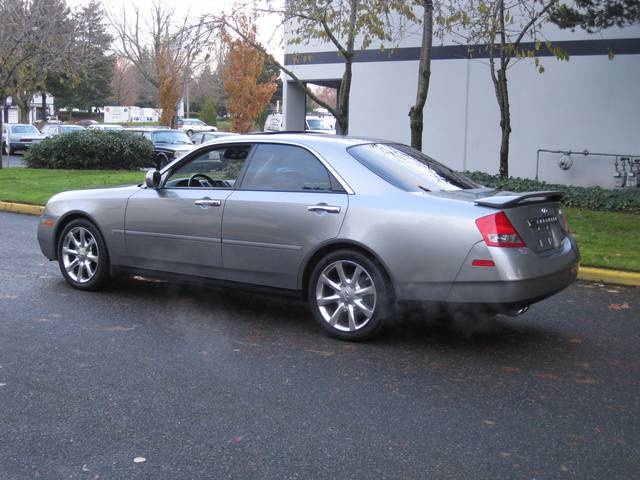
column 502, row 93
column 416, row 112
column 2, row 110
column 342, row 120
column 44, row 105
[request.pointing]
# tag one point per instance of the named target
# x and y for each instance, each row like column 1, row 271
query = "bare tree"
column 165, row 52
column 416, row 112
column 33, row 39
column 499, row 29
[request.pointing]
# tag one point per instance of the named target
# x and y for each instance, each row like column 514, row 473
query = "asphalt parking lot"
column 202, row 383
column 13, row 160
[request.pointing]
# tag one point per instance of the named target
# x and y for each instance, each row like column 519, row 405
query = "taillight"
column 497, row 231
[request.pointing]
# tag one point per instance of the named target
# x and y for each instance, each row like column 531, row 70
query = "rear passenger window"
column 285, row 168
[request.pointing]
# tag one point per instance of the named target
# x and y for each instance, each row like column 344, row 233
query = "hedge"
column 590, row 198
column 92, row 150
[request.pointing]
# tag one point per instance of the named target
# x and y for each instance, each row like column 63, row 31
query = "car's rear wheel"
column 4, row 148
column 83, row 256
column 350, row 295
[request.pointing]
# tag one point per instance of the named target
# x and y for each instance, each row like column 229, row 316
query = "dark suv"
column 168, row 144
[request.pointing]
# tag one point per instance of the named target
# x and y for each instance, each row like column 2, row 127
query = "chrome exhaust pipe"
column 518, row 312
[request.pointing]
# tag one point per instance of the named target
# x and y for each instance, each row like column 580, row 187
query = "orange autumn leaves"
column 246, row 98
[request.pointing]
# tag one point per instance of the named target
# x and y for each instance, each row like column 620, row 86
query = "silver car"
column 19, row 136
column 356, row 226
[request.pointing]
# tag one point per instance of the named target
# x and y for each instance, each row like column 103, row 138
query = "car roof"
column 309, row 139
column 153, row 129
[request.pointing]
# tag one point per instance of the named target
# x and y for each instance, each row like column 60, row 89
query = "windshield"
column 409, row 169
column 24, row 129
column 318, row 124
column 171, row 137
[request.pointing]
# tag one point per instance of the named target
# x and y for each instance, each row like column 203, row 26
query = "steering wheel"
column 210, row 182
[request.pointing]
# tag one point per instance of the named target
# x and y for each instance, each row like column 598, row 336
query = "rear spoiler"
column 508, row 199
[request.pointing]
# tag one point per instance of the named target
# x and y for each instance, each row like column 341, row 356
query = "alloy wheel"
column 80, row 254
column 346, row 295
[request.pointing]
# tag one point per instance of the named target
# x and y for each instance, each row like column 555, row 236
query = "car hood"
column 175, row 147
column 99, row 192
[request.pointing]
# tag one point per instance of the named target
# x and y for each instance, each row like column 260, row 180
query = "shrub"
column 590, row 198
column 208, row 113
column 92, row 150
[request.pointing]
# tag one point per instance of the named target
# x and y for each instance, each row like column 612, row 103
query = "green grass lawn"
column 606, row 239
column 36, row 186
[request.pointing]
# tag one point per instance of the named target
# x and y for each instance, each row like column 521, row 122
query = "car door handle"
column 323, row 207
column 207, row 202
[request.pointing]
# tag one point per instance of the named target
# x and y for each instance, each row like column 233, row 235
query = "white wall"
column 590, row 103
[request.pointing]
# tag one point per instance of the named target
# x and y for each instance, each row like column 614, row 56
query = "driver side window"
column 217, row 168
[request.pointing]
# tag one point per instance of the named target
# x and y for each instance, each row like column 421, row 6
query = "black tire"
column 343, row 314
column 11, row 150
column 81, row 276
column 4, row 148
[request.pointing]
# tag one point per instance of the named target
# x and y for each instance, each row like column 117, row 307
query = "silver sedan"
column 356, row 226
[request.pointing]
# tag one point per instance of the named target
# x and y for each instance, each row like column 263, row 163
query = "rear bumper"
column 22, row 145
column 519, row 278
column 512, row 294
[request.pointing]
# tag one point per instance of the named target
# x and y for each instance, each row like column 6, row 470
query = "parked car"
column 19, row 136
column 53, row 129
column 105, row 126
column 86, row 122
column 354, row 225
column 313, row 124
column 168, row 144
column 202, row 137
column 192, row 125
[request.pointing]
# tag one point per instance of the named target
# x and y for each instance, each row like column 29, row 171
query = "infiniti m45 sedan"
column 354, row 225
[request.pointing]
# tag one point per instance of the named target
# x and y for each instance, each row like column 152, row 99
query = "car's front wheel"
column 350, row 295
column 83, row 256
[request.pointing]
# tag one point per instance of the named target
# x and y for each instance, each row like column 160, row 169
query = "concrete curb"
column 590, row 274
column 21, row 208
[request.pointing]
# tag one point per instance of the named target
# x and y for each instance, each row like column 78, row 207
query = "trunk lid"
column 537, row 216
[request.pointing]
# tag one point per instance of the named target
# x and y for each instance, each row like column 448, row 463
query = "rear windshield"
column 409, row 169
column 171, row 136
column 24, row 129
column 318, row 124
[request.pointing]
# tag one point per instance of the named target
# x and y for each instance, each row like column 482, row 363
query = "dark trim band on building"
column 574, row 48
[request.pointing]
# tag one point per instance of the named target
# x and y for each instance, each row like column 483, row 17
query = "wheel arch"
column 337, row 244
column 69, row 217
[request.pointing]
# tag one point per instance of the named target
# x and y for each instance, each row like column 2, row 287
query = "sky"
column 268, row 33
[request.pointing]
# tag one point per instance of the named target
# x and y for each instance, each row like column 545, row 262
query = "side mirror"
column 152, row 179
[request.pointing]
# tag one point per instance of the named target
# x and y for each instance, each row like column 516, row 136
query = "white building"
column 589, row 103
column 35, row 106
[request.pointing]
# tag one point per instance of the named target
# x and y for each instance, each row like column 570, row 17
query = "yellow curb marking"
column 609, row 276
column 21, row 208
